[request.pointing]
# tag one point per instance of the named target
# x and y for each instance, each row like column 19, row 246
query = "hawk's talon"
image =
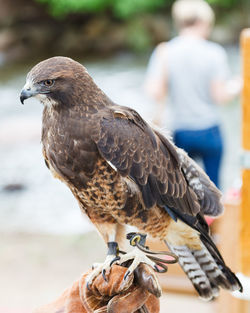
column 126, row 275
column 101, row 268
column 104, row 275
column 117, row 258
column 88, row 286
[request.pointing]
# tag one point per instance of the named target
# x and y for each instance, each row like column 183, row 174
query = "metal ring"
column 134, row 240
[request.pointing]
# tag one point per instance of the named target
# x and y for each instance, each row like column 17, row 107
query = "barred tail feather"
column 194, row 271
column 232, row 282
column 205, row 272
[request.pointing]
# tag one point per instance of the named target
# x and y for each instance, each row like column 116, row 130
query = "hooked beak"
column 28, row 91
column 25, row 94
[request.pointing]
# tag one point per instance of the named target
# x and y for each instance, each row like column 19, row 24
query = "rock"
column 15, row 11
column 13, row 187
column 159, row 27
column 96, row 27
column 7, row 39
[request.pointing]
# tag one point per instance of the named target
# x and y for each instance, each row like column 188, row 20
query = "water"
column 45, row 204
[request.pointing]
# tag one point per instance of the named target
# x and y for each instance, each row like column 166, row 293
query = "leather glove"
column 137, row 294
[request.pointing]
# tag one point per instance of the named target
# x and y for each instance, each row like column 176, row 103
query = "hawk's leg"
column 112, row 256
column 112, row 234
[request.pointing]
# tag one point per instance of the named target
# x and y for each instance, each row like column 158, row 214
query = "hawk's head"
column 58, row 80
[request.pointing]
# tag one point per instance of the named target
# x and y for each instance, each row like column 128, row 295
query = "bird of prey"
column 124, row 172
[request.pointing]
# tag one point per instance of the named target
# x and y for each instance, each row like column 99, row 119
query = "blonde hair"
column 187, row 12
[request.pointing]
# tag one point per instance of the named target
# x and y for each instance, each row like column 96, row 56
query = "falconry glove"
column 137, row 294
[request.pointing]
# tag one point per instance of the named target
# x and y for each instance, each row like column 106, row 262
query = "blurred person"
column 194, row 72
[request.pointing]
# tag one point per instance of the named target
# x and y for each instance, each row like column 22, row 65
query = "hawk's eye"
column 48, row 82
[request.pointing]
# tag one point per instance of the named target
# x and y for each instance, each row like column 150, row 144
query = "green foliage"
column 122, row 8
column 224, row 3
column 62, row 7
column 119, row 8
column 126, row 8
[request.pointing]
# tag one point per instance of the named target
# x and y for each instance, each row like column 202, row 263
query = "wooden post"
column 236, row 220
column 245, row 207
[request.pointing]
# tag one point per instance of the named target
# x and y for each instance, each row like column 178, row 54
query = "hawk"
column 124, row 172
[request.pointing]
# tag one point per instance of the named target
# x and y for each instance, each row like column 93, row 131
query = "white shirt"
column 192, row 64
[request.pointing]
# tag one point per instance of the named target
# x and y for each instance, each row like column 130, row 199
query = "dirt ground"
column 35, row 269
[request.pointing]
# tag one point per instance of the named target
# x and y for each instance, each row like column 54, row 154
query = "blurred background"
column 44, row 245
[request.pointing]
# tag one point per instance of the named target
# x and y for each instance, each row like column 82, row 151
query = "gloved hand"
column 138, row 293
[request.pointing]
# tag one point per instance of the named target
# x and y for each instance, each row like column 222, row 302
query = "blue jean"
column 206, row 144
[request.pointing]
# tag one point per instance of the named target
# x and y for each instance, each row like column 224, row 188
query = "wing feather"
column 208, row 194
column 147, row 157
